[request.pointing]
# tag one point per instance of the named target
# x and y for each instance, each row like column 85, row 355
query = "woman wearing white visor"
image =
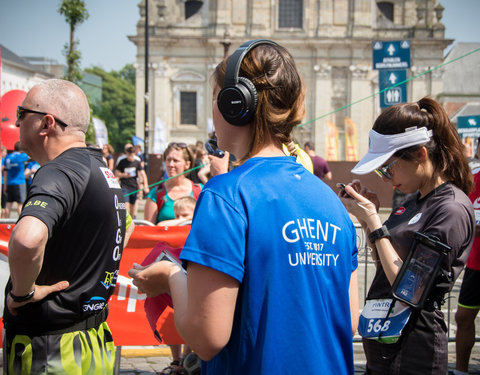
column 414, row 147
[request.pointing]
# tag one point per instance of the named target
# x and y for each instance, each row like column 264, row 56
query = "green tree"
column 118, row 105
column 75, row 13
column 128, row 73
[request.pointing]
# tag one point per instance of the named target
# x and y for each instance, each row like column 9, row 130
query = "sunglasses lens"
column 20, row 113
column 382, row 172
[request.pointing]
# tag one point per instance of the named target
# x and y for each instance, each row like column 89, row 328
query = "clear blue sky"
column 34, row 28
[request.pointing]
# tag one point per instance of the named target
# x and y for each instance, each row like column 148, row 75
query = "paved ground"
column 152, row 361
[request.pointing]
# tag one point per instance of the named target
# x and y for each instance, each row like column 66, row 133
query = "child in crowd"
column 183, row 209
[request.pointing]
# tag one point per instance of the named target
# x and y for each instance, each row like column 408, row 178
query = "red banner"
column 127, row 316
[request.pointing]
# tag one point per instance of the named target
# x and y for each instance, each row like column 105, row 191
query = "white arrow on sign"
column 391, row 49
column 392, row 78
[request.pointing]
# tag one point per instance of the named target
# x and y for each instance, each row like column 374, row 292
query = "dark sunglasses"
column 22, row 111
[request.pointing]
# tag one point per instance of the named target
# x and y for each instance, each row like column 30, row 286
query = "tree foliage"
column 75, row 13
column 118, row 104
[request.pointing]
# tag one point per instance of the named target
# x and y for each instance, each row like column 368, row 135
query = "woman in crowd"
column 159, row 204
column 108, row 151
column 414, row 147
column 272, row 251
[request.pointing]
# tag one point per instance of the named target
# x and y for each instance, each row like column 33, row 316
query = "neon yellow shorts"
column 75, row 353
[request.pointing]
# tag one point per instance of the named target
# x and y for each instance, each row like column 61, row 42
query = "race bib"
column 374, row 325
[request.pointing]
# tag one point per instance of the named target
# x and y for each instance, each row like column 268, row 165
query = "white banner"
column 101, row 134
column 159, row 137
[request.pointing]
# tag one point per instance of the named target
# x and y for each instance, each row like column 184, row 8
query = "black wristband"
column 22, row 298
column 381, row 232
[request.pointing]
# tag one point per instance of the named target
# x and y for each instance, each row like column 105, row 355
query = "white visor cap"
column 382, row 147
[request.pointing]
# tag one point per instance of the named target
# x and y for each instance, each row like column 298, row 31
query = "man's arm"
column 327, row 176
column 25, row 258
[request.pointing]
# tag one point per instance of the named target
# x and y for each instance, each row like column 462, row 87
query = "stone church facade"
column 331, row 41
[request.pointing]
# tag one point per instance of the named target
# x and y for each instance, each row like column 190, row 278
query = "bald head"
column 64, row 100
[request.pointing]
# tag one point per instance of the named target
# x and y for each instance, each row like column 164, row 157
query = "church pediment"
column 188, row 76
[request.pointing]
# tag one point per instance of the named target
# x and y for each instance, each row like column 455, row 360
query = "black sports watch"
column 381, row 232
column 22, row 298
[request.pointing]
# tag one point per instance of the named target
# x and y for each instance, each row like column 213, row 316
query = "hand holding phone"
column 167, row 255
column 343, row 193
column 212, row 148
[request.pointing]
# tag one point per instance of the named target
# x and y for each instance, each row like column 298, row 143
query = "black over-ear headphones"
column 237, row 101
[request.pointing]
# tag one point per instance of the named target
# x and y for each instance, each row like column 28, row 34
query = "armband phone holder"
column 419, row 270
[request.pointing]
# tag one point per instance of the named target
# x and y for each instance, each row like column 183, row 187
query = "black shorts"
column 16, row 193
column 4, row 199
column 130, row 195
column 470, row 292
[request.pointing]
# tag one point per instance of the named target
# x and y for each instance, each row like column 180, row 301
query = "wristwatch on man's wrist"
column 379, row 233
column 22, row 298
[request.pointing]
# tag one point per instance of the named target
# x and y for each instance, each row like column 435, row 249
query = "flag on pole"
column 101, row 134
column 351, row 140
column 332, row 142
column 137, row 141
column 159, row 137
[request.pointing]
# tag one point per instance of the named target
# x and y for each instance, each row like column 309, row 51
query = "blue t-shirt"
column 15, row 166
column 287, row 238
column 33, row 166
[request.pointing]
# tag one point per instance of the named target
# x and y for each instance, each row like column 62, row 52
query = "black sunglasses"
column 21, row 112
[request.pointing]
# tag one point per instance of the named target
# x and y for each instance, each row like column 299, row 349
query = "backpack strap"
column 160, row 197
column 196, row 189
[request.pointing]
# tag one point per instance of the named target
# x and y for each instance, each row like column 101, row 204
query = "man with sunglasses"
column 65, row 249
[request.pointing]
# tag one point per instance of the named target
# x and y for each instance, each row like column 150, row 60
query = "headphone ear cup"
column 238, row 103
column 251, row 105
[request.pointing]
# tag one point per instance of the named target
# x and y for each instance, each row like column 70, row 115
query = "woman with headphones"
column 271, row 283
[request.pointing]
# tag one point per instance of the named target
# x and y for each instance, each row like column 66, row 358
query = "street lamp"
column 146, row 97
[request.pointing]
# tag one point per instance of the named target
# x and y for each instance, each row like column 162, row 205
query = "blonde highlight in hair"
column 281, row 95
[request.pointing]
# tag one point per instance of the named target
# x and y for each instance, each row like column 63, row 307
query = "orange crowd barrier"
column 127, row 316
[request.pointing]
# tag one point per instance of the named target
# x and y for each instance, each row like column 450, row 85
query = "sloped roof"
column 462, row 76
column 9, row 56
column 469, row 109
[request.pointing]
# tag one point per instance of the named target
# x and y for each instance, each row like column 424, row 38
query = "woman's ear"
column 422, row 154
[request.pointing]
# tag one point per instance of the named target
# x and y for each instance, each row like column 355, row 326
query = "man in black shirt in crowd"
column 65, row 250
column 131, row 173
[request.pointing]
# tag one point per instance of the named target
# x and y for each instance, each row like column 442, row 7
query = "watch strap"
column 22, row 298
column 379, row 233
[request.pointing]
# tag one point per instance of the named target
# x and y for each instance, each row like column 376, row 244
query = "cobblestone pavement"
column 152, row 365
column 147, row 361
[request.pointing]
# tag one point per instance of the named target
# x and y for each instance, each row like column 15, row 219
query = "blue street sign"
column 391, row 54
column 469, row 126
column 393, row 95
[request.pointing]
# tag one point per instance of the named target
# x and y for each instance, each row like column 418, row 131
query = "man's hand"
column 41, row 291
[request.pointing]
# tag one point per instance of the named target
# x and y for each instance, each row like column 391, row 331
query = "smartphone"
column 212, row 148
column 420, row 269
column 168, row 256
column 341, row 185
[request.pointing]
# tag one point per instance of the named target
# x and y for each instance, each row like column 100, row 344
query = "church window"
column 290, row 14
column 188, row 108
column 386, row 8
